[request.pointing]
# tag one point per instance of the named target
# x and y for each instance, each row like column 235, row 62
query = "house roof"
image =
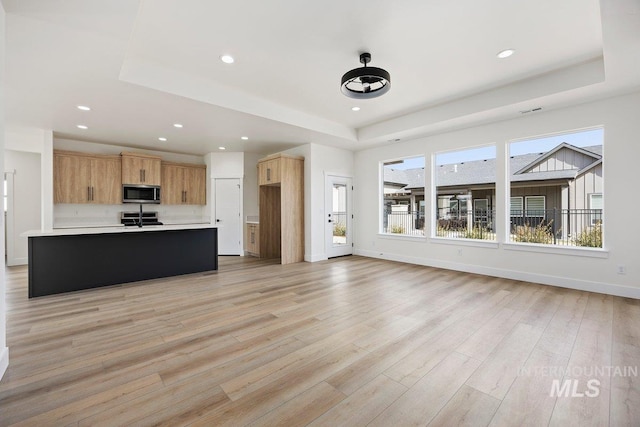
column 484, row 171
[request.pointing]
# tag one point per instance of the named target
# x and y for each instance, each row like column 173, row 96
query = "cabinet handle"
column 88, row 193
column 268, row 174
column 92, row 194
column 141, row 180
column 253, row 237
column 144, row 175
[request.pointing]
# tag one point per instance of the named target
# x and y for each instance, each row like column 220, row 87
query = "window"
column 595, row 205
column 555, row 186
column 403, row 200
column 465, row 190
column 534, row 207
column 517, row 207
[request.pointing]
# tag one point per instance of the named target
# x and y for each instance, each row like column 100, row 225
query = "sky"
column 535, row 145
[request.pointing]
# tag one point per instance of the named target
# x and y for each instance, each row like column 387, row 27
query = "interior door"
column 227, row 216
column 339, row 230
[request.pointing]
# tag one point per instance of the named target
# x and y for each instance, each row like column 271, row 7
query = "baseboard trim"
column 4, row 361
column 17, row 261
column 543, row 279
column 315, row 258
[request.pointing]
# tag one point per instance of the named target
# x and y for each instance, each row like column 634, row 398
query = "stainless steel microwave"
column 140, row 193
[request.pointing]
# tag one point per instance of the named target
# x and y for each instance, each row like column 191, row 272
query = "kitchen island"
column 72, row 259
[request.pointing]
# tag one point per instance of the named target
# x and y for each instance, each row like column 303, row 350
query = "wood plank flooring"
column 347, row 342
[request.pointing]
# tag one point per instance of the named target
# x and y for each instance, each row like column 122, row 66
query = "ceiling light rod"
column 366, row 82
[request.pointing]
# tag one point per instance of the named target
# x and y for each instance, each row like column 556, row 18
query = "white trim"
column 17, row 261
column 557, row 250
column 4, row 361
column 563, row 282
column 478, row 243
column 397, row 236
column 315, row 258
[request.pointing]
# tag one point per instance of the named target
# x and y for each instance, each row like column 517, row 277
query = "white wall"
column 567, row 268
column 22, row 171
column 32, row 140
column 67, row 215
column 251, row 200
column 319, row 162
column 4, row 350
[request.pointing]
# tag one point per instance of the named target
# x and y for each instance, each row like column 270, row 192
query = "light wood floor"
column 351, row 341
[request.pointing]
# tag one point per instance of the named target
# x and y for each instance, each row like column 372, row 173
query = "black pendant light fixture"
column 365, row 82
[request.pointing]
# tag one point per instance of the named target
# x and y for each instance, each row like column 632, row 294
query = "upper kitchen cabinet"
column 138, row 168
column 269, row 171
column 183, row 184
column 86, row 178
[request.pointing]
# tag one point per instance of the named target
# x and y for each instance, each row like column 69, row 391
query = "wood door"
column 172, row 185
column 151, row 171
column 132, row 169
column 269, row 172
column 195, row 185
column 71, row 178
column 106, row 180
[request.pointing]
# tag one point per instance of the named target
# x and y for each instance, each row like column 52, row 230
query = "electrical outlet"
column 622, row 269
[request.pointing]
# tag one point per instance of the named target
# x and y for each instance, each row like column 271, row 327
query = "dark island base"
column 69, row 263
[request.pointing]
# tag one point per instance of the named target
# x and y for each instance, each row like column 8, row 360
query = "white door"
column 339, row 231
column 227, row 216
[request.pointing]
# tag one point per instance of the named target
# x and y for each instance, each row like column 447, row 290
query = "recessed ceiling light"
column 355, row 108
column 177, row 125
column 162, row 138
column 227, row 59
column 244, row 138
column 82, row 127
column 505, row 53
column 222, row 148
column 84, row 108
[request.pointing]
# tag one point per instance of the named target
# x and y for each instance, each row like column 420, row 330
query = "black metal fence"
column 339, row 220
column 568, row 227
column 403, row 222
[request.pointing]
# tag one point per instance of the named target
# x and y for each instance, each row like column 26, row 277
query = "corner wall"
column 618, row 115
column 319, row 161
column 4, row 350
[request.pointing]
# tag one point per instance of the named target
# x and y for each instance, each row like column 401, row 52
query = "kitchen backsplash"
column 67, row 215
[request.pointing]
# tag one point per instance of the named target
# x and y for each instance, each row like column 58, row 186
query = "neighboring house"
column 561, row 188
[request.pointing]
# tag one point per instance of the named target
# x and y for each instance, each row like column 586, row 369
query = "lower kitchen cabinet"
column 252, row 246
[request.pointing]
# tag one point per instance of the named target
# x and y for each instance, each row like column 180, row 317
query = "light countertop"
column 69, row 231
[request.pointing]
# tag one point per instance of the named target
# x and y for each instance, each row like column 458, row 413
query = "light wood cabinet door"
column 106, row 181
column 253, row 239
column 269, row 172
column 172, row 191
column 141, row 169
column 71, row 178
column 86, row 178
column 151, row 171
column 183, row 184
column 195, row 185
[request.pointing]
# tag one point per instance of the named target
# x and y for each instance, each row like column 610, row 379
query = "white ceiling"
column 144, row 65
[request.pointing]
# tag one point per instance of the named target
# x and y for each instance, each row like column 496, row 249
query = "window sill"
column 465, row 242
column 550, row 249
column 393, row 236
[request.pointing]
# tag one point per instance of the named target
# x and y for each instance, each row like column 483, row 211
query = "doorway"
column 338, row 208
column 228, row 215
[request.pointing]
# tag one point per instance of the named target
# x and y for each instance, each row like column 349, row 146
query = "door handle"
column 217, row 220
